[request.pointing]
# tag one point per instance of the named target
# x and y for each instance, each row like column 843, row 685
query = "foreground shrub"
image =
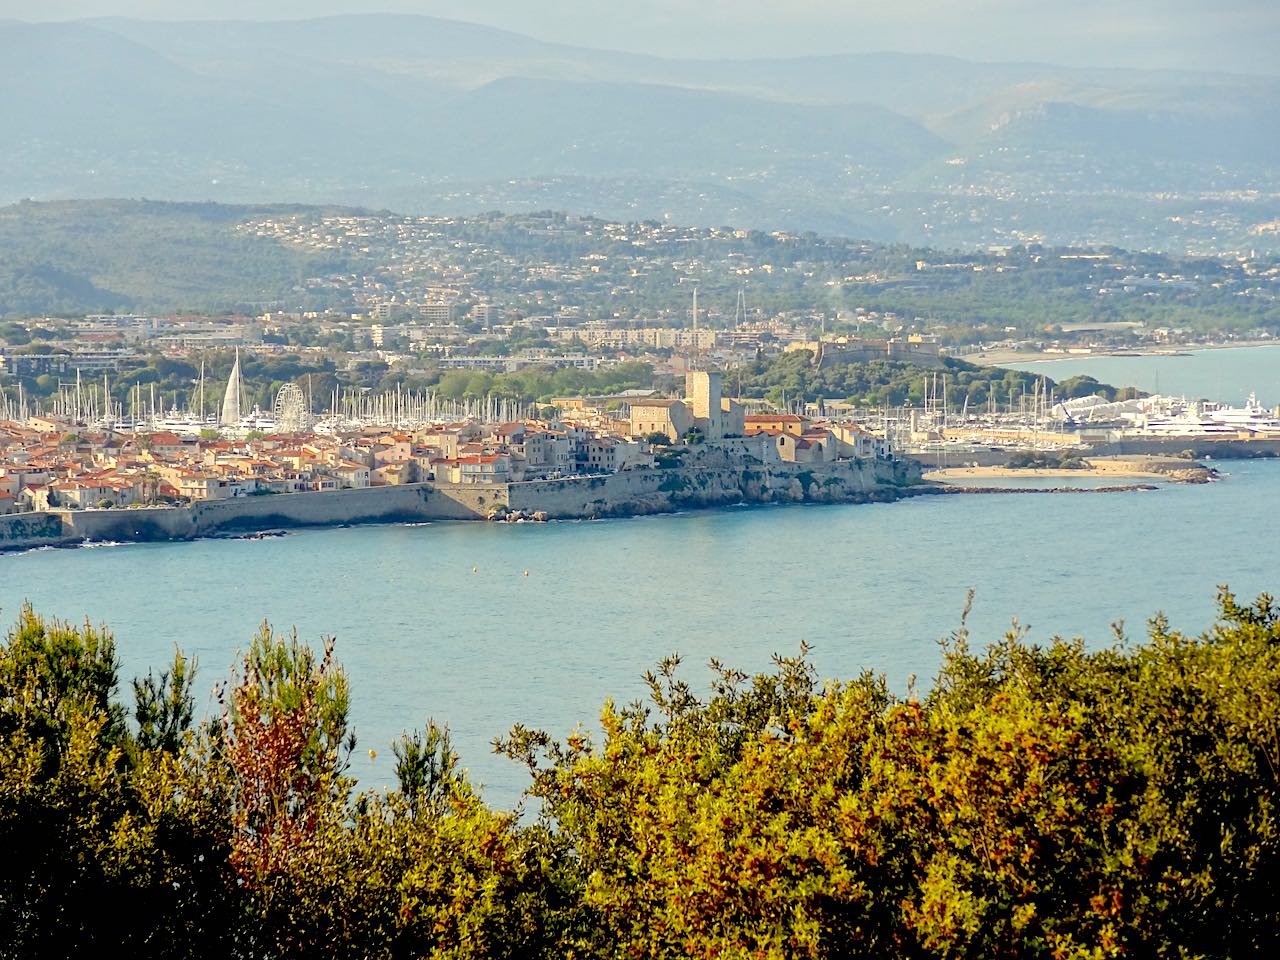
column 1038, row 802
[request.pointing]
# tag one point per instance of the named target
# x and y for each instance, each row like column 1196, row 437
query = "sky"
column 1235, row 35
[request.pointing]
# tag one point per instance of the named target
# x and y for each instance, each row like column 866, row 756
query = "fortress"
column 704, row 409
column 917, row 349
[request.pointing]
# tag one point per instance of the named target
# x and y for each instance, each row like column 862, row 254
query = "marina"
column 89, row 404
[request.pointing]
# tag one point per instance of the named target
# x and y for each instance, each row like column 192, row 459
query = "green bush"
column 1038, row 801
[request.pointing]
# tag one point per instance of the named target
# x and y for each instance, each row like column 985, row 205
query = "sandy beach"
column 1167, row 469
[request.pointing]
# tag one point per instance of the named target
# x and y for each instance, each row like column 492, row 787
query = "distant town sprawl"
column 326, row 277
column 535, row 306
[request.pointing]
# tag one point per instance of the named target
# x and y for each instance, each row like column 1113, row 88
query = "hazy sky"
column 1240, row 35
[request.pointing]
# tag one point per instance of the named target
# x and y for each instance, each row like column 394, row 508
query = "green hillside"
column 77, row 257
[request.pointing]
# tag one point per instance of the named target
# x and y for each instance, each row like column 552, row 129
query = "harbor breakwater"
column 710, row 478
column 1198, row 448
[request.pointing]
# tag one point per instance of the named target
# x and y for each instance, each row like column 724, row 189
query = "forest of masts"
column 94, row 405
column 143, row 409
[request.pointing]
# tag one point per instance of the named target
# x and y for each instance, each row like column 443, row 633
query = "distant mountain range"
column 431, row 115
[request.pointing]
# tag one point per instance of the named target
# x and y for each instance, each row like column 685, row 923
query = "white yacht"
column 1208, row 419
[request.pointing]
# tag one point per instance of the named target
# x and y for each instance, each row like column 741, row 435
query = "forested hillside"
column 104, row 255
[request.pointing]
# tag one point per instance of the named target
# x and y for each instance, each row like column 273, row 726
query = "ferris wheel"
column 290, row 410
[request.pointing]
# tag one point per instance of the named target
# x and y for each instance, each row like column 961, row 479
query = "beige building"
column 776, row 423
column 671, row 417
column 915, row 348
column 351, row 474
column 856, row 441
column 703, row 409
column 714, row 414
column 702, row 393
column 672, row 338
column 816, row 446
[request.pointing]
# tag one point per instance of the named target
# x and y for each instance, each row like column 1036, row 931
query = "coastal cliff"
column 706, row 478
column 711, row 478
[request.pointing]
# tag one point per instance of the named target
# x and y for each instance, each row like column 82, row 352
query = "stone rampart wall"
column 712, row 477
column 1218, row 448
column 21, row 531
column 407, row 502
column 410, row 502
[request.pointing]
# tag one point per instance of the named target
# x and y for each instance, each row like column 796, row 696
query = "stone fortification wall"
column 1200, row 447
column 1219, row 448
column 406, row 502
column 25, row 530
column 832, row 353
column 970, row 458
column 410, row 502
column 710, row 476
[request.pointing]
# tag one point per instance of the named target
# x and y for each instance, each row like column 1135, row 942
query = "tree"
column 1036, row 801
column 14, row 334
column 1039, row 801
column 111, row 841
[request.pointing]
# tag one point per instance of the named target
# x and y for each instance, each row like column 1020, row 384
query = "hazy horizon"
column 1140, row 128
column 1235, row 36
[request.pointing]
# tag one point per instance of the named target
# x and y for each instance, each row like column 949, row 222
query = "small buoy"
column 475, row 569
column 373, row 754
column 526, row 573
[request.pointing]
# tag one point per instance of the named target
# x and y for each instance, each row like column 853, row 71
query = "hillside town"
column 125, row 344
column 501, row 293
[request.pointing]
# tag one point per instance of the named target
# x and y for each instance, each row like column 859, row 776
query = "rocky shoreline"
column 707, row 486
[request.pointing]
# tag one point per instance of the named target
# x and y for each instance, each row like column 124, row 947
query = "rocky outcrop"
column 711, row 480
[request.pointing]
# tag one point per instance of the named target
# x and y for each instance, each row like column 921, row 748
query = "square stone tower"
column 702, row 391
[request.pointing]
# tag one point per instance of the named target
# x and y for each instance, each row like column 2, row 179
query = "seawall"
column 22, row 531
column 1216, row 448
column 244, row 515
column 1201, row 448
column 711, row 479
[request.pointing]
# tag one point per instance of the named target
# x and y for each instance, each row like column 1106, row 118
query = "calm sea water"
column 440, row 621
column 1226, row 375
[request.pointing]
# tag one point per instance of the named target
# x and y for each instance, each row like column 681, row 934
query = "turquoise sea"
column 1227, row 375
column 439, row 620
